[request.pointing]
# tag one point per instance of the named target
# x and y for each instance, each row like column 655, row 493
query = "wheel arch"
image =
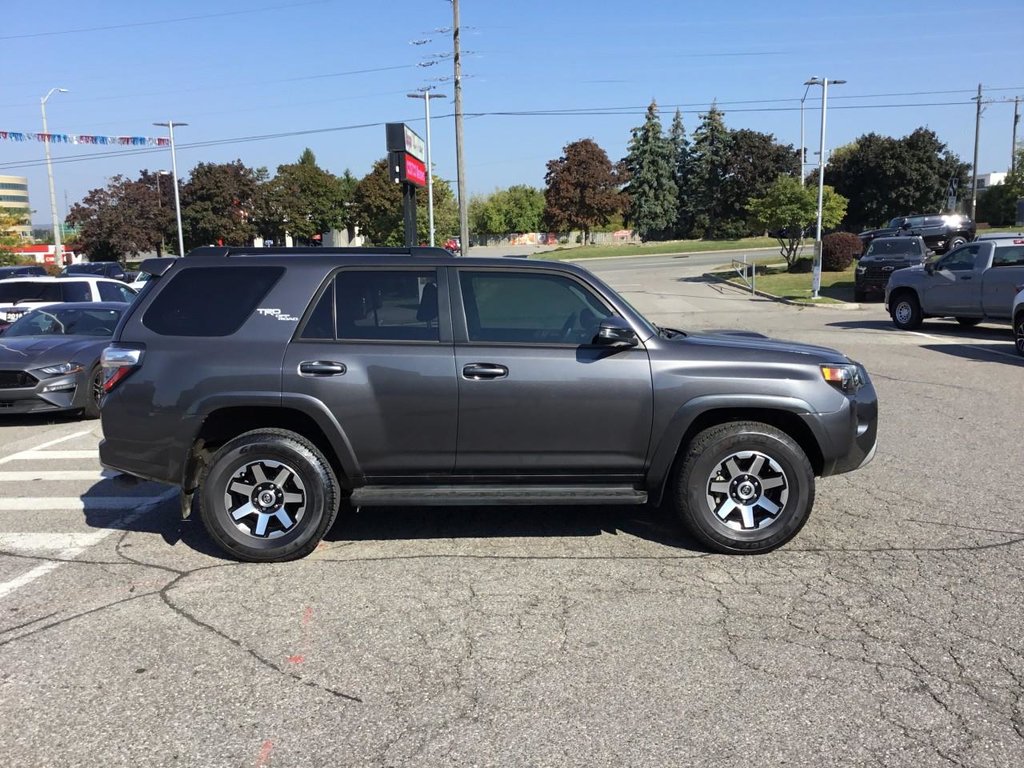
column 785, row 414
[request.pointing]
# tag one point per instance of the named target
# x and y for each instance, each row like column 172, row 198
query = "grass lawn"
column 654, row 249
column 836, row 287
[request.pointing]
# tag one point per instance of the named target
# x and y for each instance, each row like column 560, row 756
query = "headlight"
column 846, row 378
column 62, row 369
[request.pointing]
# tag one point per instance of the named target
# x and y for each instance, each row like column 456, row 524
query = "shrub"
column 838, row 251
column 801, row 266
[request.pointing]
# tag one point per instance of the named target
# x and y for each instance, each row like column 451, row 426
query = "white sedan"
column 19, row 295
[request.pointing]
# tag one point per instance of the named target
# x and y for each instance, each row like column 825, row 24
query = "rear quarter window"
column 209, row 301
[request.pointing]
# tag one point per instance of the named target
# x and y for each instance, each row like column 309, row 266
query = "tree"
column 709, row 169
column 582, row 189
column 788, row 209
column 884, row 177
column 377, row 209
column 304, row 200
column 653, row 205
column 123, row 218
column 754, row 161
column 682, row 175
column 9, row 237
column 217, row 204
column 519, row 208
column 997, row 205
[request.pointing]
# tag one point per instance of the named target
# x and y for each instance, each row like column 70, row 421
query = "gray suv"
column 282, row 384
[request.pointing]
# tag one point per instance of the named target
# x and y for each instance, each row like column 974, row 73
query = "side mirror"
column 615, row 332
column 929, row 267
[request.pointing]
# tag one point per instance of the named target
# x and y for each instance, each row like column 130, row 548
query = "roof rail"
column 215, row 250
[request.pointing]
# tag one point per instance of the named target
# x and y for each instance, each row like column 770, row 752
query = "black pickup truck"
column 941, row 231
column 884, row 256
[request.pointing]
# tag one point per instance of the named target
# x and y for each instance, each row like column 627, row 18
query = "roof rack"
column 214, row 250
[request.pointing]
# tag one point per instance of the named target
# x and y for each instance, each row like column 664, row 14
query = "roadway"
column 888, row 632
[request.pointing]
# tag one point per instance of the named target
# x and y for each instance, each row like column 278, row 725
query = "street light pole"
column 424, row 94
column 823, row 82
column 803, row 146
column 169, row 125
column 58, row 251
column 160, row 207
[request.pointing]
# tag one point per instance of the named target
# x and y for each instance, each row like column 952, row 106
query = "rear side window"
column 29, row 291
column 209, row 301
column 385, row 305
column 1010, row 256
column 76, row 291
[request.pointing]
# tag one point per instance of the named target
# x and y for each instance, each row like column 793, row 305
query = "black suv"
column 111, row 269
column 883, row 257
column 281, row 384
column 941, row 231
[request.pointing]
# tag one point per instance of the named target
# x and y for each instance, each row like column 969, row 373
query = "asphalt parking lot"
column 889, row 632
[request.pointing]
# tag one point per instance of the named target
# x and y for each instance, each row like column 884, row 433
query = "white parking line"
column 18, row 476
column 946, row 340
column 71, row 503
column 36, row 455
column 78, row 545
column 46, row 542
column 18, row 456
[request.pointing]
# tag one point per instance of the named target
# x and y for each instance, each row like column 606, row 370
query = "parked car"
column 972, row 283
column 22, row 270
column 111, row 269
column 453, row 246
column 50, row 358
column 883, row 257
column 1018, row 319
column 139, row 281
column 941, row 231
column 19, row 295
column 280, row 383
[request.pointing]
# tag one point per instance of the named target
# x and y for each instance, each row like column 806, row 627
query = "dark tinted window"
column 529, row 308
column 893, row 245
column 321, row 323
column 387, row 305
column 109, row 292
column 1009, row 256
column 30, row 291
column 209, row 301
column 66, row 321
column 76, row 290
column 960, row 260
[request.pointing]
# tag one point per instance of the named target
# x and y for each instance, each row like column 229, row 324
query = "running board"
column 493, row 495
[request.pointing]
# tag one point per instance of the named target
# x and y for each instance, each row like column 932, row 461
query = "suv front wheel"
column 744, row 488
column 268, row 495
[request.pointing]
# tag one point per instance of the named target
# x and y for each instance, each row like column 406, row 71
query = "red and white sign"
column 415, row 171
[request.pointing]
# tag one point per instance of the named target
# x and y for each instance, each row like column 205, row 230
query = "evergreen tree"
column 710, row 168
column 682, row 173
column 653, row 198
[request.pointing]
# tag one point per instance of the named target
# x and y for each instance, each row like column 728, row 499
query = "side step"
column 494, row 495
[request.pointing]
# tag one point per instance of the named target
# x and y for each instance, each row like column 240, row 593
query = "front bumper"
column 53, row 394
column 850, row 435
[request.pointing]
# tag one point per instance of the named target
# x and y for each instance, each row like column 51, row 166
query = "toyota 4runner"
column 282, row 384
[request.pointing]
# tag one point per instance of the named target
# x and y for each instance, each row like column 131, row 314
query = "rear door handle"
column 321, row 368
column 478, row 371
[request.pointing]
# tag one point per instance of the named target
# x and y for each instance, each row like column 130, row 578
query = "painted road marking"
column 18, row 456
column 45, row 542
column 946, row 341
column 36, row 455
column 72, row 503
column 79, row 545
column 49, row 474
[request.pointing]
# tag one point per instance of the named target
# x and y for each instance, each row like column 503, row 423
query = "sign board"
column 401, row 138
column 406, row 168
column 951, row 188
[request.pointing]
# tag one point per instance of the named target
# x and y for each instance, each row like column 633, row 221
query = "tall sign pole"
column 460, row 165
column 405, row 163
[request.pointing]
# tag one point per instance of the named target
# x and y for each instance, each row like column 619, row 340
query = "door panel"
column 955, row 286
column 535, row 395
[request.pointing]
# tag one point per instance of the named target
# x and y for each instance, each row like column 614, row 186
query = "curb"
column 844, row 306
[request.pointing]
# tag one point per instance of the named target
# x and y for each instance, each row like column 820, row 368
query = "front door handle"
column 478, row 371
column 321, row 368
column 965, row 277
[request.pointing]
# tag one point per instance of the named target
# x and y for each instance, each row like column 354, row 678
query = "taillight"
column 118, row 363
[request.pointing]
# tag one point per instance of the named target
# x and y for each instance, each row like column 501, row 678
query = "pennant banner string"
column 74, row 138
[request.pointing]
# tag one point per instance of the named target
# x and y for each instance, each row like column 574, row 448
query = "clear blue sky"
column 276, row 66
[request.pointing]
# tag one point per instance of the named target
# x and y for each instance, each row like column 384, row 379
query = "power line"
column 133, row 24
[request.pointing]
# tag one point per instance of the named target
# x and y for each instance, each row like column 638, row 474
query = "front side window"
column 524, row 308
column 382, row 305
column 960, row 260
column 76, row 290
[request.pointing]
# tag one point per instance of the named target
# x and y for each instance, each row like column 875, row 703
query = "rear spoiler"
column 157, row 267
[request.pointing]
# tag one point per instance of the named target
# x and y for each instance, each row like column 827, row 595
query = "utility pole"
column 58, row 250
column 974, row 169
column 1013, row 147
column 459, row 164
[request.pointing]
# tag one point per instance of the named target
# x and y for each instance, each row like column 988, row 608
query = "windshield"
column 892, row 245
column 85, row 269
column 29, row 291
column 66, row 321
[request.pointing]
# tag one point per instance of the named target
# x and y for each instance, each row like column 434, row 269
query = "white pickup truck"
column 975, row 282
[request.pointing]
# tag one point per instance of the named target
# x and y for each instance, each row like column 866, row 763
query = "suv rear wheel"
column 1018, row 332
column 744, row 487
column 268, row 495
